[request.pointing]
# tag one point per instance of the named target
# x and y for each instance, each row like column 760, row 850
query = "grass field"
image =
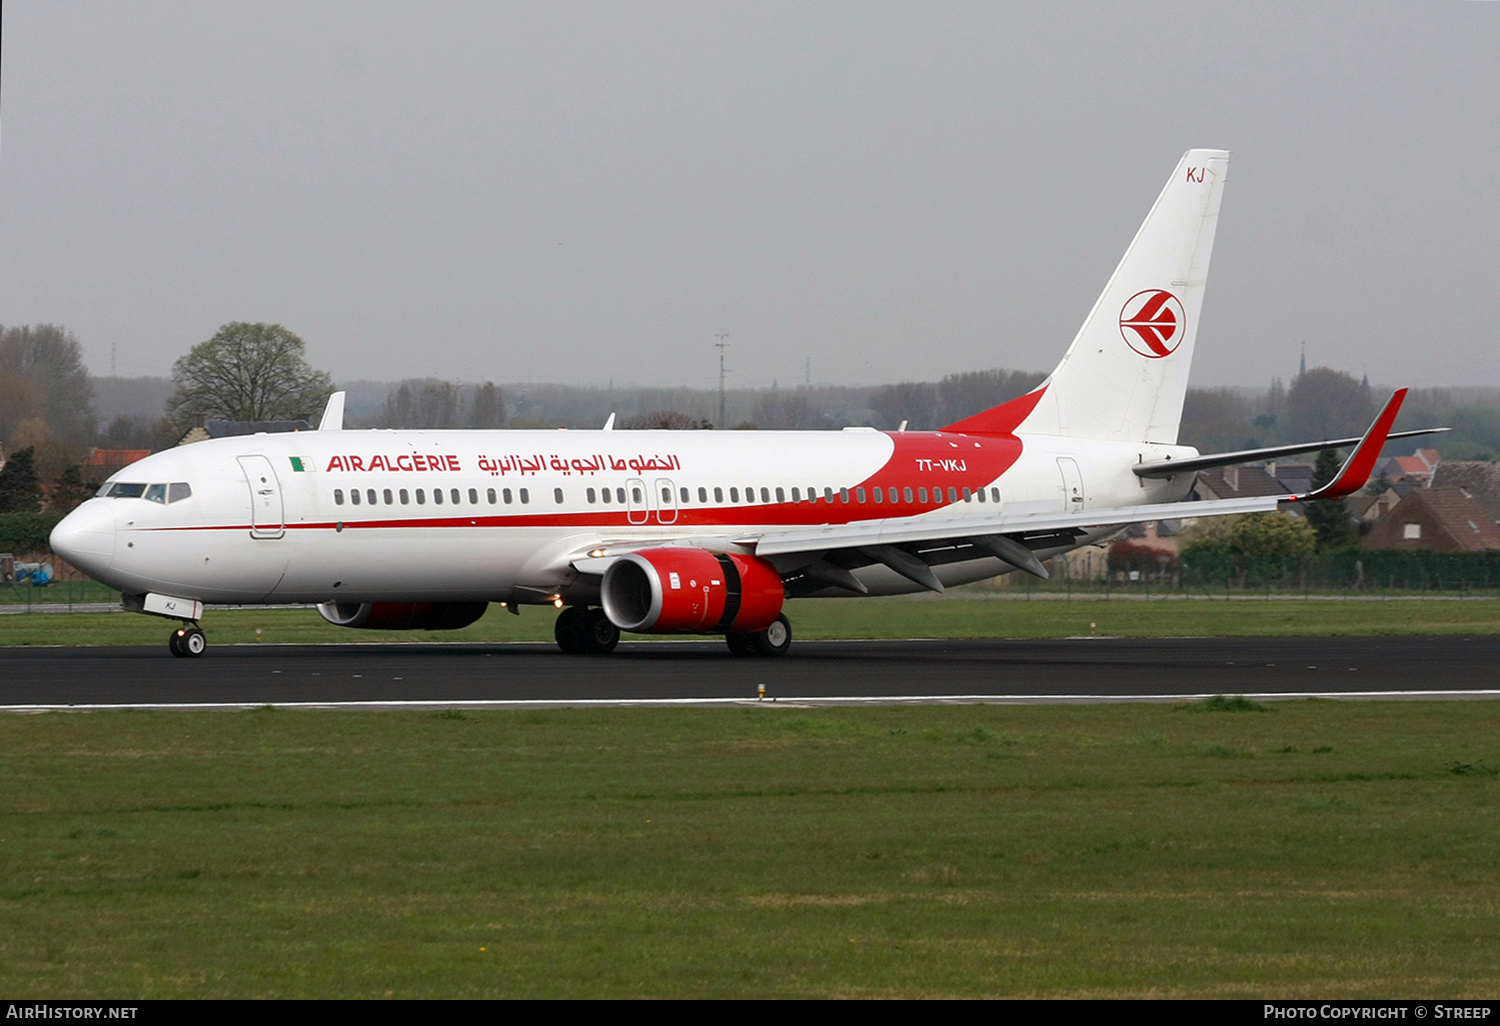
column 907, row 617
column 1309, row 849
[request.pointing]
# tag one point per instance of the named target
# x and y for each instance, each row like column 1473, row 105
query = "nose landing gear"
column 187, row 641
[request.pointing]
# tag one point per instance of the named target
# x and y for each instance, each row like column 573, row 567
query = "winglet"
column 333, row 416
column 1356, row 469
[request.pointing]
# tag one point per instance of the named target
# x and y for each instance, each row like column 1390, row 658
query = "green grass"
column 1313, row 849
column 907, row 617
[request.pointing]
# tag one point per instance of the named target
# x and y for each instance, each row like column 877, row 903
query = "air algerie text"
column 412, row 461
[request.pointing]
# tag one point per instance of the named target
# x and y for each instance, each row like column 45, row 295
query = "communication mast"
column 721, row 345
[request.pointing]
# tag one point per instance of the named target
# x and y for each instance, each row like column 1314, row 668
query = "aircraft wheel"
column 194, row 643
column 569, row 631
column 174, row 643
column 600, row 636
column 775, row 639
column 740, row 644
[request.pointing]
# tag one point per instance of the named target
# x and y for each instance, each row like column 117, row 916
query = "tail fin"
column 1126, row 373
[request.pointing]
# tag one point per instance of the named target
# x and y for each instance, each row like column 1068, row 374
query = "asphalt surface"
column 1087, row 669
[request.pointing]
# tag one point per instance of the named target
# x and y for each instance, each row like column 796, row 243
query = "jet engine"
column 402, row 616
column 691, row 591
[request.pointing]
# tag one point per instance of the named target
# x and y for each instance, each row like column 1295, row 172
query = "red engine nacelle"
column 691, row 591
column 402, row 616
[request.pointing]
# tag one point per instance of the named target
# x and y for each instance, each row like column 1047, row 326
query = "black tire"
column 194, row 643
column 775, row 639
column 740, row 644
column 569, row 631
column 174, row 644
column 600, row 636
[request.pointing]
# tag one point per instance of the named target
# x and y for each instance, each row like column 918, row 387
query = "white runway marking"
column 787, row 701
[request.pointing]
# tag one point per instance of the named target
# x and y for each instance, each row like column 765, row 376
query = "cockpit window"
column 163, row 493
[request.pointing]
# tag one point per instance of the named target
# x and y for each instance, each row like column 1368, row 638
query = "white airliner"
column 692, row 531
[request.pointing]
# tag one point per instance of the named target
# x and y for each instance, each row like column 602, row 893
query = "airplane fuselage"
column 385, row 516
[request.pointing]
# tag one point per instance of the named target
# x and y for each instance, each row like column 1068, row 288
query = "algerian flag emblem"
column 297, row 464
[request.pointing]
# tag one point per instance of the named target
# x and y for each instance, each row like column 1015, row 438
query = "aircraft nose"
column 86, row 536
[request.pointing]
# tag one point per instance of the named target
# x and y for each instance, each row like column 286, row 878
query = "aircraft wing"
column 1173, row 467
column 1011, row 536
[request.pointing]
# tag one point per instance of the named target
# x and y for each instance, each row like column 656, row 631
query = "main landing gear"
column 584, row 631
column 773, row 641
column 187, row 641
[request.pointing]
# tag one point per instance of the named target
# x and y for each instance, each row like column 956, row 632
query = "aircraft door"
column 638, row 510
column 1073, row 495
column 666, row 506
column 267, row 514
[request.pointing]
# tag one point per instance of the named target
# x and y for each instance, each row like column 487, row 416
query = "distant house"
column 104, row 463
column 1417, row 468
column 1238, row 482
column 204, row 429
column 1435, row 519
column 1480, row 478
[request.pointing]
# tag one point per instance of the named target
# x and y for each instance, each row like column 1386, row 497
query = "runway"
column 703, row 672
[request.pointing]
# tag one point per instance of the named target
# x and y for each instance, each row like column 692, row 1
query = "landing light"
column 597, row 553
column 557, row 601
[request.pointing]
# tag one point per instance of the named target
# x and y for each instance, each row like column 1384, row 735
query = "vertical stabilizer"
column 1126, row 373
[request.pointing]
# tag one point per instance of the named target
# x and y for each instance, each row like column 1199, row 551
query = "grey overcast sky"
column 555, row 191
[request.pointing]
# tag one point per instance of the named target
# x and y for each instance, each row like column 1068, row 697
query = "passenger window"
column 388, row 497
column 591, row 495
column 437, row 496
column 489, row 494
column 921, row 494
column 525, row 497
column 504, row 495
column 636, row 496
column 734, row 495
column 178, row 490
column 844, row 495
column 370, row 495
column 765, row 494
column 703, row 496
column 405, row 497
column 968, row 495
column 606, row 496
column 780, row 495
column 354, row 496
column 718, row 495
column 557, row 496
column 952, row 494
column 338, row 496
column 906, row 492
column 796, row 494
column 620, row 496
column 859, row 495
column 453, row 494
column 994, row 495
column 685, row 497
column 421, row 497
column 666, row 495
column 828, row 494
column 473, row 496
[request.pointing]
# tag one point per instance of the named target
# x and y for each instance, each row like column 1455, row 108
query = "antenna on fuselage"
column 333, row 415
column 609, row 425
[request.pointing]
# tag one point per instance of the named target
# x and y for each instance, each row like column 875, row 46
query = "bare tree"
column 247, row 372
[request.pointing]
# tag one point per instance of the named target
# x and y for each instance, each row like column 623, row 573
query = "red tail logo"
column 1152, row 323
